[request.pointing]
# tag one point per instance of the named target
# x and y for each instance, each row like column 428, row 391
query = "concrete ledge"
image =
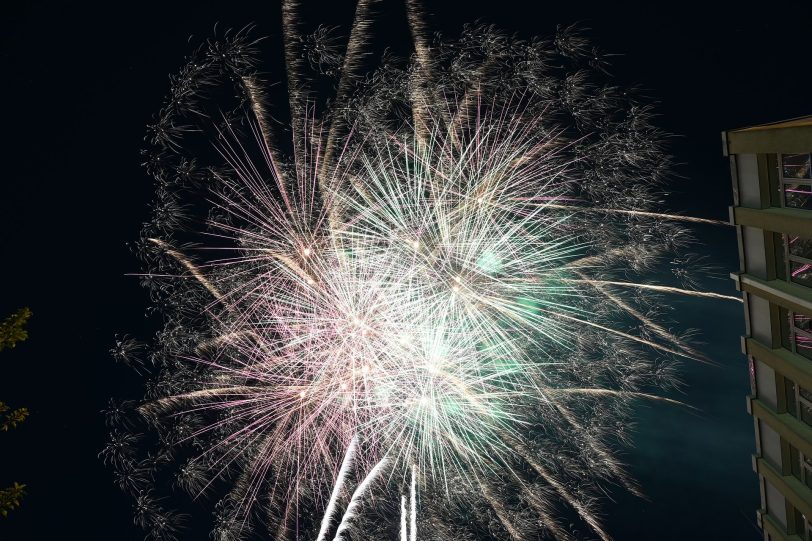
column 791, row 296
column 774, row 528
column 792, row 139
column 780, row 220
column 785, row 362
column 793, row 490
column 796, row 432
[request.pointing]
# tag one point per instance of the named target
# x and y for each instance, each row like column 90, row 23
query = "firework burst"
column 426, row 318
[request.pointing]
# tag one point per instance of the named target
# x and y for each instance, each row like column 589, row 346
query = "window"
column 799, row 402
column 805, row 405
column 797, row 260
column 796, row 181
column 801, row 466
column 796, row 332
column 799, row 525
column 792, row 398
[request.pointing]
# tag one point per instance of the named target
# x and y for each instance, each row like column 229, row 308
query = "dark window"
column 792, row 400
column 802, row 331
column 781, row 254
column 805, row 405
column 800, row 466
column 797, row 166
column 786, row 334
column 796, row 332
column 795, row 463
column 799, row 525
column 798, row 259
column 798, row 403
column 796, row 181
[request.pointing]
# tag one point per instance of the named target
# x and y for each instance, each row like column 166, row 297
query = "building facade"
column 771, row 169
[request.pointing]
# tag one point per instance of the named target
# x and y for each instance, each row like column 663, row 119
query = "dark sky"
column 79, row 85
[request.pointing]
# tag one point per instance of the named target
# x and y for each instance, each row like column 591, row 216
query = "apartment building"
column 771, row 169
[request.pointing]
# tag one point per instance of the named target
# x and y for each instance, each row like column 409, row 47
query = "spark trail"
column 337, row 486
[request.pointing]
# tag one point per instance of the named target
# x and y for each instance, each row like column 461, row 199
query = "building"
column 771, row 169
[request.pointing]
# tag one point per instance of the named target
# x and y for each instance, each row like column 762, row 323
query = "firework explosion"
column 421, row 310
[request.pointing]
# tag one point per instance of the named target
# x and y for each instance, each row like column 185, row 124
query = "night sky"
column 79, row 86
